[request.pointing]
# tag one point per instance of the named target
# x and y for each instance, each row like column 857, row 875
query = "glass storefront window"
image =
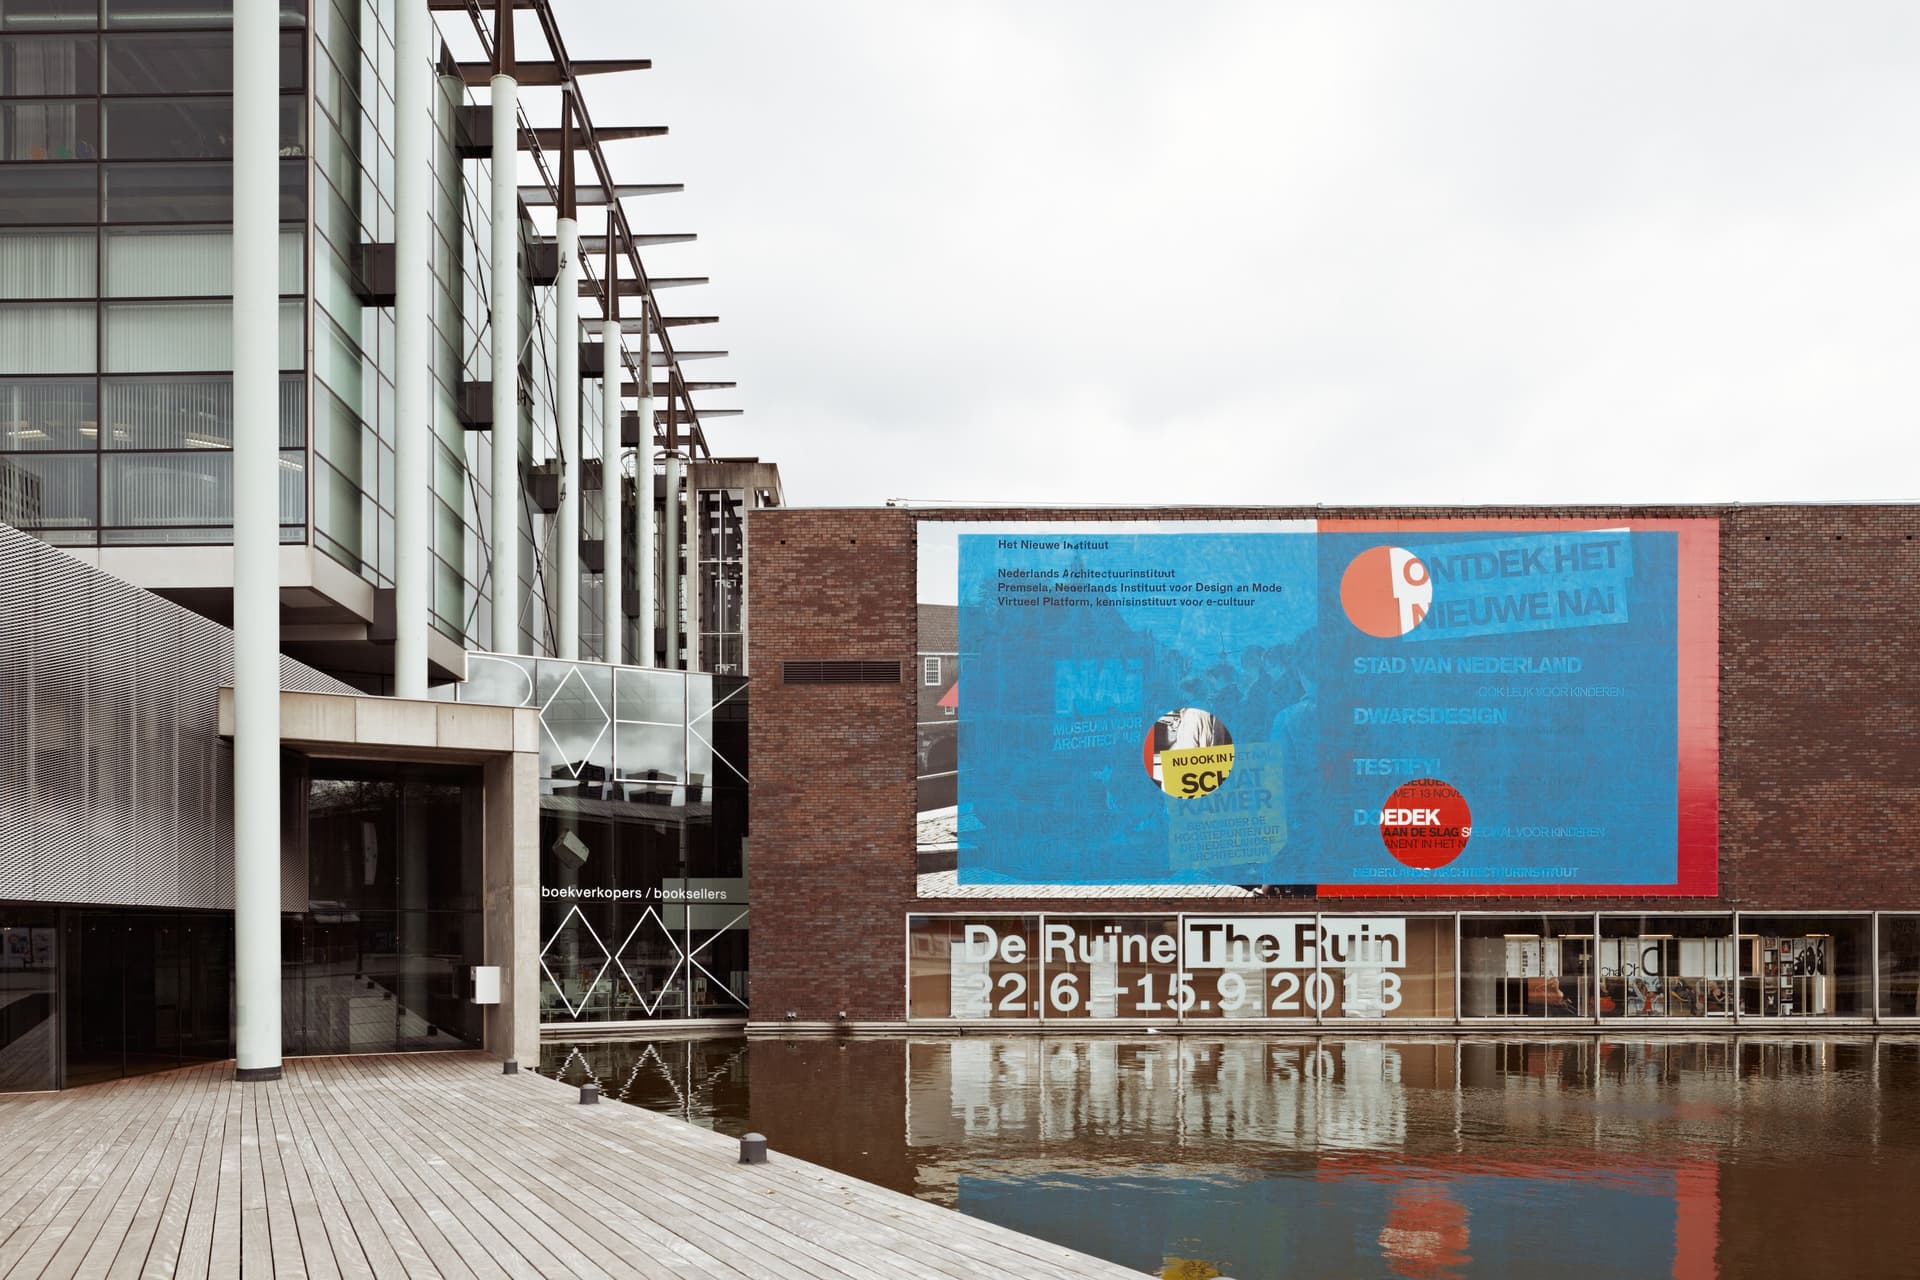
column 576, row 716
column 1805, row 966
column 1900, row 966
column 29, row 958
column 1125, row 967
column 379, row 961
column 1527, row 967
column 976, row 968
column 1666, row 966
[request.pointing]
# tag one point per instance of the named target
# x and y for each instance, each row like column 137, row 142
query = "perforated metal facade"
column 115, row 786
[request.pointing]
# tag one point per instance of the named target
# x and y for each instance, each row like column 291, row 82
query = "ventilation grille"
column 115, row 786
column 840, row 671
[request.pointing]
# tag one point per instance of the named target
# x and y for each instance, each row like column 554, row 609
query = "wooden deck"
column 438, row 1165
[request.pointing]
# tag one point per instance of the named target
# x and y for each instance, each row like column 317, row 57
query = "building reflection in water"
column 1254, row 1156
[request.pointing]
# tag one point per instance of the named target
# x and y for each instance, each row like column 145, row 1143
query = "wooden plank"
column 168, row 1250
column 162, row 1208
column 212, row 1228
column 512, row 1153
column 95, row 1238
column 325, row 1225
column 268, row 1179
column 434, row 1164
column 428, row 1225
column 692, row 1188
column 365, row 1242
column 531, row 1220
column 473, row 1235
column 62, row 1195
column 383, row 1232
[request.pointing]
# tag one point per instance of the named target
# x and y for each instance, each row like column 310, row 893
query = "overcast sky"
column 1271, row 252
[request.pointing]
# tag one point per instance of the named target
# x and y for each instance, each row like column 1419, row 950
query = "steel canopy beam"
column 551, row 74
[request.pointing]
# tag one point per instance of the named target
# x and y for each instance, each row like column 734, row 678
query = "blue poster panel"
column 1412, row 707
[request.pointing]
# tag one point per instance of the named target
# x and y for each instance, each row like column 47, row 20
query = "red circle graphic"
column 1386, row 591
column 1425, row 823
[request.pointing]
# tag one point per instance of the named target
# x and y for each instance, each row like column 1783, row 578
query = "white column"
column 566, row 396
column 413, row 343
column 612, row 604
column 645, row 544
column 256, row 539
column 505, row 288
column 670, row 558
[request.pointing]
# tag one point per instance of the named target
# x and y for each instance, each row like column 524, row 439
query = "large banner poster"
column 1440, row 706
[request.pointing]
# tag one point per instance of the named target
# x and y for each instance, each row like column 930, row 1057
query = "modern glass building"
column 417, row 835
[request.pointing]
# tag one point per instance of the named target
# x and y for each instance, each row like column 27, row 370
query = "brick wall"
column 1819, row 731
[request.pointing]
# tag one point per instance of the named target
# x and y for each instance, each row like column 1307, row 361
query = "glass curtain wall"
column 723, row 580
column 116, row 343
column 644, row 837
column 354, row 356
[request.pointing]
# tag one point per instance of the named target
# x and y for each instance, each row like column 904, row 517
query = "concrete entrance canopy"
column 505, row 743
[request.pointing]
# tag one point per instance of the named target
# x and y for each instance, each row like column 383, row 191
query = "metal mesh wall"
column 115, row 786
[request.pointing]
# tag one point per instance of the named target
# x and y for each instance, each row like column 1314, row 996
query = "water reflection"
column 1259, row 1156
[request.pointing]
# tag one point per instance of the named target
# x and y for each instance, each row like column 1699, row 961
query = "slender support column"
column 670, row 554
column 566, row 325
column 256, row 539
column 646, row 546
column 613, row 608
column 505, row 323
column 414, row 82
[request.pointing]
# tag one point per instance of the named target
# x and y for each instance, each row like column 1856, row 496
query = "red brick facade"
column 1819, row 731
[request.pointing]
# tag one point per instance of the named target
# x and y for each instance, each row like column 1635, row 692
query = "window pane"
column 1805, row 966
column 293, row 487
column 186, row 263
column 169, row 13
column 47, row 15
column 189, row 413
column 49, row 131
column 47, row 490
column 46, row 264
column 48, row 66
column 190, row 491
column 46, row 337
column 151, row 337
column 1666, row 966
column 47, row 415
column 169, row 193
column 189, row 62
column 42, row 193
column 182, row 413
column 170, row 129
column 1530, row 967
column 1900, row 966
column 336, row 514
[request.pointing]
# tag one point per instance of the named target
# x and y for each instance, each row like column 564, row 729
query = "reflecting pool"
column 1195, row 1156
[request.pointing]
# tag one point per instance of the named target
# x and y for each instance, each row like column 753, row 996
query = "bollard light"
column 510, row 1068
column 589, row 1094
column 753, row 1149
